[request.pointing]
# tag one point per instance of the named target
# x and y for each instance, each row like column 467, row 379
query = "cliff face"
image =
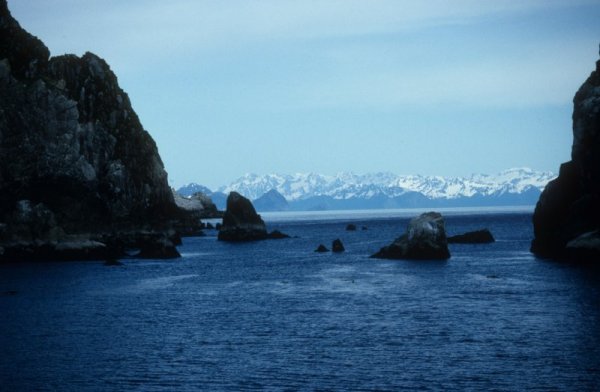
column 75, row 161
column 567, row 216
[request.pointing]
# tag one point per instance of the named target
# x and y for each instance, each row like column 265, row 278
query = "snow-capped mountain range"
column 310, row 191
column 348, row 185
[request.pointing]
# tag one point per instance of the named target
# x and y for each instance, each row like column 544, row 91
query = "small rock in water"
column 277, row 235
column 351, row 227
column 321, row 249
column 337, row 246
column 483, row 236
column 425, row 239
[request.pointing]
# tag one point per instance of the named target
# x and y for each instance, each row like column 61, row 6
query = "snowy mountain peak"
column 347, row 185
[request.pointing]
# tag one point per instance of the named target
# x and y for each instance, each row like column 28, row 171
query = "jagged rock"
column 26, row 54
column 568, row 210
column 209, row 226
column 240, row 221
column 425, row 239
column 191, row 211
column 75, row 161
column 277, row 235
column 321, row 249
column 337, row 246
column 483, row 236
column 351, row 227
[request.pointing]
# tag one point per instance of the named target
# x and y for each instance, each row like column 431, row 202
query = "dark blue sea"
column 274, row 315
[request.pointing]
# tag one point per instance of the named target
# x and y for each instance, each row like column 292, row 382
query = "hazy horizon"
column 359, row 174
column 228, row 88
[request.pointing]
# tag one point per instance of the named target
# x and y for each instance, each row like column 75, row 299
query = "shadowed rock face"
column 75, row 161
column 425, row 239
column 567, row 215
column 240, row 221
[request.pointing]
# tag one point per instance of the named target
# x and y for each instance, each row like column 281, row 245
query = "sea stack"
column 566, row 220
column 425, row 239
column 79, row 176
column 240, row 221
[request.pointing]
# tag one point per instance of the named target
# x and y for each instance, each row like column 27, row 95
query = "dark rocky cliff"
column 76, row 165
column 567, row 216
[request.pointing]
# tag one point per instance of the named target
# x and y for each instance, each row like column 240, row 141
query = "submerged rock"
column 112, row 263
column 159, row 249
column 351, row 227
column 337, row 246
column 483, row 236
column 277, row 235
column 425, row 239
column 568, row 211
column 240, row 221
column 321, row 249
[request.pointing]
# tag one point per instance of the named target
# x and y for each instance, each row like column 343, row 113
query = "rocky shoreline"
column 81, row 179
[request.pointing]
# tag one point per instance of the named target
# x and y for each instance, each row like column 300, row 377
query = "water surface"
column 275, row 315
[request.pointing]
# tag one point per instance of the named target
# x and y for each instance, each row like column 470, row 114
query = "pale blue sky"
column 411, row 87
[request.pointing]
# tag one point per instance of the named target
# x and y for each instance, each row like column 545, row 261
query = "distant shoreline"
column 282, row 216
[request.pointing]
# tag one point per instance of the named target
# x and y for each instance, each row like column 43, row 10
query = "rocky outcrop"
column 425, row 239
column 568, row 212
column 337, row 246
column 76, row 165
column 240, row 221
column 199, row 204
column 482, row 236
column 191, row 212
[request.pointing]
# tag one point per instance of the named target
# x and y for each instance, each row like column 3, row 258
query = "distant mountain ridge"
column 309, row 191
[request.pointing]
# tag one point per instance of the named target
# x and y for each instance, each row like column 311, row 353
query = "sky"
column 410, row 87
